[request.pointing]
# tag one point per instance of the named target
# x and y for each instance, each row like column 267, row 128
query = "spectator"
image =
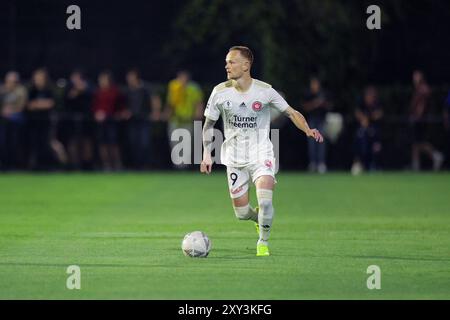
column 185, row 104
column 367, row 142
column 417, row 115
column 143, row 106
column 77, row 122
column 316, row 105
column 108, row 109
column 41, row 102
column 13, row 97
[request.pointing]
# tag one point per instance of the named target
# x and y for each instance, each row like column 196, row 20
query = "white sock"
column 266, row 213
column 246, row 213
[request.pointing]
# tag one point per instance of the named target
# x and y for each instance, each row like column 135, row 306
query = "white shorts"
column 239, row 178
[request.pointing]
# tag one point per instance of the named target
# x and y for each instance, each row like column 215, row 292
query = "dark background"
column 291, row 40
column 161, row 36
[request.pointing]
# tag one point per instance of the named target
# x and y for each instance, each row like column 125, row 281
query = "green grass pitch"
column 125, row 232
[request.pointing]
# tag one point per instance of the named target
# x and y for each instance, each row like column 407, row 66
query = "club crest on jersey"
column 257, row 106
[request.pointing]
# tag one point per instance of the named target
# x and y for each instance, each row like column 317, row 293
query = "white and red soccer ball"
column 196, row 245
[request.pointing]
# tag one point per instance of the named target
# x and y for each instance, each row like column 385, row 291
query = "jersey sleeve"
column 212, row 110
column 277, row 101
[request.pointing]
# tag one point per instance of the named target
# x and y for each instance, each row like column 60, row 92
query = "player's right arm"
column 208, row 129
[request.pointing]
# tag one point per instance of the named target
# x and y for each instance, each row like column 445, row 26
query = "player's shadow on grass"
column 232, row 254
column 221, row 253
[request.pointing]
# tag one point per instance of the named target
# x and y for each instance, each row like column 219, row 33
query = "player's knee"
column 242, row 213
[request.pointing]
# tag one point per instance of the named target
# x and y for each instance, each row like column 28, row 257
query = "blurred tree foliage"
column 293, row 39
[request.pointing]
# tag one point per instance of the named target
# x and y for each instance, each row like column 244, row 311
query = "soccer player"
column 244, row 104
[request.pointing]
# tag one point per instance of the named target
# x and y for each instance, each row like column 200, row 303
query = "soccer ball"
column 196, row 245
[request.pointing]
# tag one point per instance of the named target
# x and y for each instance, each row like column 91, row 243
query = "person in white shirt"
column 244, row 104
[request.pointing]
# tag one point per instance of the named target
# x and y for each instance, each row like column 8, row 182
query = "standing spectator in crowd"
column 367, row 142
column 41, row 102
column 185, row 104
column 77, row 122
column 417, row 114
column 13, row 97
column 447, row 122
column 108, row 109
column 142, row 105
column 316, row 105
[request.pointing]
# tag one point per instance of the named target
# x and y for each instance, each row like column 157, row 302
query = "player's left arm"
column 300, row 122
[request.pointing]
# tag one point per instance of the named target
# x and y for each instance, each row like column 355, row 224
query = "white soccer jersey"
column 246, row 120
